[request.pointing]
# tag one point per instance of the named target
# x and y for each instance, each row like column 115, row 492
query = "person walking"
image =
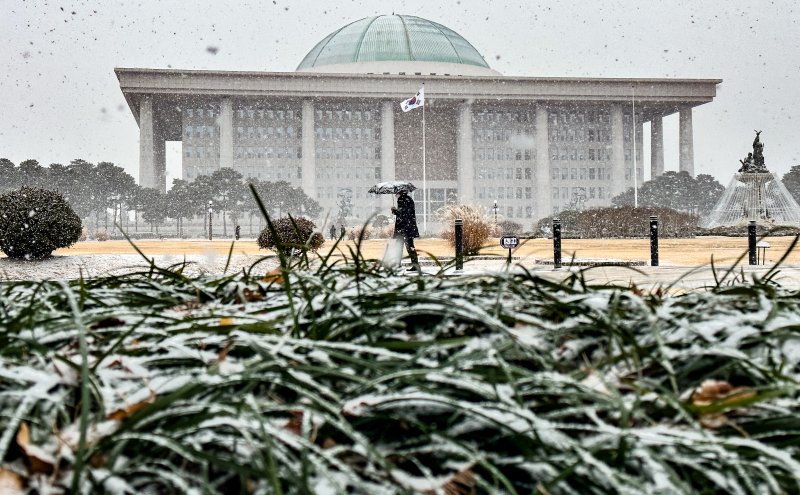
column 405, row 226
column 333, row 232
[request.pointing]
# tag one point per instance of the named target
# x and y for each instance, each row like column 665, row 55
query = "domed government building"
column 535, row 145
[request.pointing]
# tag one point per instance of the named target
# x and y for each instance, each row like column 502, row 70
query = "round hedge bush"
column 35, row 222
column 293, row 234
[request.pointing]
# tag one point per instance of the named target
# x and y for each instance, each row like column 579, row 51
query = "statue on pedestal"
column 754, row 162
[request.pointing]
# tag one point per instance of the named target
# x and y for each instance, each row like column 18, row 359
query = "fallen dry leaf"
column 11, row 483
column 460, row 483
column 252, row 295
column 274, row 277
column 39, row 461
column 121, row 414
column 719, row 392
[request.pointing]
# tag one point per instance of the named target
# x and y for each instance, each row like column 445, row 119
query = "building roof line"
column 341, row 75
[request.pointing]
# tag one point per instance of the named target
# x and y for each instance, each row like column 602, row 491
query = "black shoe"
column 413, row 269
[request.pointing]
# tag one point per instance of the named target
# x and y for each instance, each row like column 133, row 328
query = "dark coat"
column 406, row 223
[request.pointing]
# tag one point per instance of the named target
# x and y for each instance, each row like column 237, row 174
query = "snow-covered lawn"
column 340, row 378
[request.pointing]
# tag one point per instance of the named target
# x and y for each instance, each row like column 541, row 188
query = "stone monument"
column 754, row 193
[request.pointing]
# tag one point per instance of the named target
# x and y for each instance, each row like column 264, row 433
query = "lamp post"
column 210, row 219
column 495, row 211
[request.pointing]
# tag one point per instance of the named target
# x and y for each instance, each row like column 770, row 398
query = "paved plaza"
column 685, row 263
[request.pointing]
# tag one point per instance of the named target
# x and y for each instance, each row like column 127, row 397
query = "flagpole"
column 424, row 172
column 635, row 172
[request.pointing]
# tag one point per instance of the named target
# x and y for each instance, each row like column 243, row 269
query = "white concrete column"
column 617, row 183
column 147, row 176
column 544, row 204
column 686, row 141
column 309, row 169
column 226, row 133
column 387, row 149
column 639, row 136
column 159, row 160
column 466, row 168
column 656, row 147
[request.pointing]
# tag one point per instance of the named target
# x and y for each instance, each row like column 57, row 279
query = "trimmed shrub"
column 35, row 222
column 510, row 227
column 101, row 235
column 293, row 234
column 357, row 232
column 478, row 225
column 620, row 222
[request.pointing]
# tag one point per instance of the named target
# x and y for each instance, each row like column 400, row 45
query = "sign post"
column 459, row 230
column 509, row 242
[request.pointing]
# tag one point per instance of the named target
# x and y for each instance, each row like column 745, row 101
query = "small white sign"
column 509, row 241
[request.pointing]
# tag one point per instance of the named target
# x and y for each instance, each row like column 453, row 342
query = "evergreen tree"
column 791, row 180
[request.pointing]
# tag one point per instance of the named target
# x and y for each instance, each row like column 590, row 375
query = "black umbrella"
column 392, row 187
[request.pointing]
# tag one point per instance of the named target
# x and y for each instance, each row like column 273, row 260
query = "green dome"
column 393, row 38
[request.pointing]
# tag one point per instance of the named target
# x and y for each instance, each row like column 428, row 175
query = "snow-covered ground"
column 97, row 265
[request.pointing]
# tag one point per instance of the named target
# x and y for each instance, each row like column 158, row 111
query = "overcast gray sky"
column 60, row 99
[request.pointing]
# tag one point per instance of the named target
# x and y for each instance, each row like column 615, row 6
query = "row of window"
column 252, row 113
column 270, row 173
column 340, row 133
column 581, row 135
column 267, row 132
column 334, row 193
column 580, row 154
column 344, row 115
column 202, row 112
column 505, row 193
column 491, row 117
column 371, row 173
column 200, row 151
column 245, row 152
column 349, row 153
column 590, row 173
column 588, row 116
column 512, row 212
column 482, row 135
column 578, row 193
column 509, row 173
column 491, row 154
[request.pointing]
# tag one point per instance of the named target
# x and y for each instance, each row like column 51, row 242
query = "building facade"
column 533, row 145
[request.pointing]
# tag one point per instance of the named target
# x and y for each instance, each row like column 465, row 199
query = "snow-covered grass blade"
column 328, row 377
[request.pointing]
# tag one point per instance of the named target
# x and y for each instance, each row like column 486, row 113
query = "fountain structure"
column 754, row 193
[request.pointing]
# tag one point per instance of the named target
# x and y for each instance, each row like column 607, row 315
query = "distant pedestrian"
column 333, row 232
column 405, row 226
column 237, row 232
column 342, row 232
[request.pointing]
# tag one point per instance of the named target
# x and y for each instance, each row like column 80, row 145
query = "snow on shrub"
column 292, row 233
column 478, row 225
column 363, row 232
column 510, row 227
column 35, row 222
column 101, row 235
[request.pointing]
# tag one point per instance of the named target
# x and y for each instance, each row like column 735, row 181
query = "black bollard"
column 653, row 240
column 556, row 243
column 751, row 242
column 459, row 244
